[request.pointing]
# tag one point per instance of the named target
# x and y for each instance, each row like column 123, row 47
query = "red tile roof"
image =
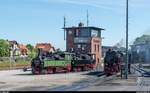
column 45, row 47
column 24, row 48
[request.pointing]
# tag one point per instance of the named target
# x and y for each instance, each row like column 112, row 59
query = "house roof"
column 45, row 46
column 21, row 47
column 12, row 42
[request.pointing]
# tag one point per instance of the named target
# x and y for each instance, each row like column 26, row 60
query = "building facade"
column 84, row 39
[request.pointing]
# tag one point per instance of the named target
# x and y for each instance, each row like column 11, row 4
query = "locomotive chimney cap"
column 81, row 24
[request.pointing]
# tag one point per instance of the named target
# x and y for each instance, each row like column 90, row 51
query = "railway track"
column 101, row 78
column 142, row 71
column 143, row 81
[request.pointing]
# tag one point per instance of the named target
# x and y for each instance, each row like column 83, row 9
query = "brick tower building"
column 86, row 39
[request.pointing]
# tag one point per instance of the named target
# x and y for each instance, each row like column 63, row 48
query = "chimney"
column 81, row 24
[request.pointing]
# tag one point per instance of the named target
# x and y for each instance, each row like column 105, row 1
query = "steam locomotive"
column 112, row 62
column 46, row 63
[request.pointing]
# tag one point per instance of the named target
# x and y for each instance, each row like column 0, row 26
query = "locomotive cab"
column 83, row 61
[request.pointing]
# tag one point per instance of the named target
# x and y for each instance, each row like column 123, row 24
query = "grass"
column 4, row 64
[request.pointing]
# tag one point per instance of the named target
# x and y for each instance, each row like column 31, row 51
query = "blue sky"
column 40, row 21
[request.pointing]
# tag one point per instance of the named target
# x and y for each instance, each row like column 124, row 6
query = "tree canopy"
column 4, row 48
column 32, row 50
column 30, row 47
column 144, row 39
column 58, row 50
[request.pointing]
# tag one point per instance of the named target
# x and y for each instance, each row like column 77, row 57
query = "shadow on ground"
column 24, row 74
column 94, row 73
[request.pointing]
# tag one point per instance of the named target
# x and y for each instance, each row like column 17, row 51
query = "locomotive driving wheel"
column 84, row 68
column 54, row 70
column 33, row 70
column 74, row 69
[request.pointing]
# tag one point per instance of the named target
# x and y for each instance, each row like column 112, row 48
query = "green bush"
column 4, row 48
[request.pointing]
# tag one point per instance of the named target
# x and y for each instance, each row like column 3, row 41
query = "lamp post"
column 126, row 39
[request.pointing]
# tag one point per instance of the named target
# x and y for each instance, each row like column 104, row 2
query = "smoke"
column 147, row 32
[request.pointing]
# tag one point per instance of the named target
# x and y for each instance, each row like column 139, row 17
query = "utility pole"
column 64, row 26
column 127, row 39
column 87, row 19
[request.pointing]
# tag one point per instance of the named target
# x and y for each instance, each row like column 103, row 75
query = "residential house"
column 24, row 50
column 46, row 47
column 14, row 48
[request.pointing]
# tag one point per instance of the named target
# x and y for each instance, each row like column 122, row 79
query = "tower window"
column 76, row 32
column 98, row 60
column 98, row 48
column 95, row 48
column 72, row 49
column 94, row 33
column 79, row 46
column 70, row 32
column 83, row 47
column 85, row 32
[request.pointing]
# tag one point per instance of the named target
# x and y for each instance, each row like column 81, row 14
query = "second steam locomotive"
column 112, row 62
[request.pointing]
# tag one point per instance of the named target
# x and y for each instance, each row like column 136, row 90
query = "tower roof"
column 91, row 27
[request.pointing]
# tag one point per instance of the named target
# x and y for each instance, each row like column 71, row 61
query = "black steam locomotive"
column 62, row 62
column 112, row 62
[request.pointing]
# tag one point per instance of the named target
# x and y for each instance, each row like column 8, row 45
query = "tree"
column 4, row 48
column 33, row 54
column 144, row 39
column 58, row 50
column 30, row 47
column 32, row 50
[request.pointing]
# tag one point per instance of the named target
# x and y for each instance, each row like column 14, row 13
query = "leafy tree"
column 4, row 48
column 58, row 50
column 32, row 50
column 144, row 39
column 30, row 47
column 33, row 54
